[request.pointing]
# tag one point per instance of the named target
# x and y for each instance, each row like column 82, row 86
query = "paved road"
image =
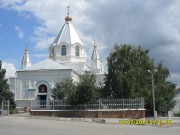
column 23, row 126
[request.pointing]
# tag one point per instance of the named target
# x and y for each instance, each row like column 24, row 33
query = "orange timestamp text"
column 145, row 122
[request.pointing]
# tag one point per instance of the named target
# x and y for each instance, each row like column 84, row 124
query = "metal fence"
column 4, row 108
column 101, row 104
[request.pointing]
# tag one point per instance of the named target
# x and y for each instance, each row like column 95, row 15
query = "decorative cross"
column 68, row 9
column 95, row 44
column 26, row 47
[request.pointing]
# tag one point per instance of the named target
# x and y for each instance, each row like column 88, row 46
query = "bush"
column 13, row 111
column 80, row 92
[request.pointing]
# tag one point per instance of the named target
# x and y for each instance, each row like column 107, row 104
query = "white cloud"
column 40, row 55
column 152, row 24
column 5, row 3
column 21, row 34
column 20, row 31
column 10, row 69
column 50, row 15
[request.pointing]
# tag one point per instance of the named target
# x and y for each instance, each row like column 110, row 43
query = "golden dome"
column 68, row 18
column 94, row 45
column 51, row 56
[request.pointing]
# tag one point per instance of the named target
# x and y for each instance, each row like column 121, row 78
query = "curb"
column 90, row 120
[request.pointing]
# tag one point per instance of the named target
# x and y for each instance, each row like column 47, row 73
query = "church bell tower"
column 67, row 46
column 96, row 63
column 26, row 62
column 68, row 49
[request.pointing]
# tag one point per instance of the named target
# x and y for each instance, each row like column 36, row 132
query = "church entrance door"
column 42, row 96
column 42, row 100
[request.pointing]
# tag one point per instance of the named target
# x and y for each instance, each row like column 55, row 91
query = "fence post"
column 8, row 108
column 53, row 104
column 31, row 104
column 99, row 105
column 143, row 103
column 123, row 103
column 1, row 105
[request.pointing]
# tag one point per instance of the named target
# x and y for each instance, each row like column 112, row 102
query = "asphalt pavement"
column 42, row 126
column 175, row 120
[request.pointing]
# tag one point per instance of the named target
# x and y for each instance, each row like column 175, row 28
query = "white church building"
column 67, row 58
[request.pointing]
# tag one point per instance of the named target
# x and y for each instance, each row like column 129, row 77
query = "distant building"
column 176, row 108
column 67, row 58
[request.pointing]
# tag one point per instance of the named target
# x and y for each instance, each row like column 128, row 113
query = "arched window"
column 63, row 50
column 77, row 51
column 42, row 88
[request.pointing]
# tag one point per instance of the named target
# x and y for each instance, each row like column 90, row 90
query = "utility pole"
column 154, row 106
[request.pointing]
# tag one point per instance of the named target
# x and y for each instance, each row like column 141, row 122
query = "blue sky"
column 16, row 31
column 150, row 23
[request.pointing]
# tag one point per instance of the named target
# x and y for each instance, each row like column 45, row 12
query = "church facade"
column 67, row 58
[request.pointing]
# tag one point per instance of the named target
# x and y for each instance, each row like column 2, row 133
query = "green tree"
column 86, row 89
column 128, row 77
column 164, row 90
column 5, row 93
column 76, row 93
column 64, row 89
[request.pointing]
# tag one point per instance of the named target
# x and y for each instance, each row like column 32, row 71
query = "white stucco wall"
column 28, row 82
column 176, row 108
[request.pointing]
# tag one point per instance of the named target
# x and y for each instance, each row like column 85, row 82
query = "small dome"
column 68, row 18
column 51, row 56
column 95, row 45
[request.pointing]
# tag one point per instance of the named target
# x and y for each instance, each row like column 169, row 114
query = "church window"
column 42, row 88
column 77, row 50
column 63, row 50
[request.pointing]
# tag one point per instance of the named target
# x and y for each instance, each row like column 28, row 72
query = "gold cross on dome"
column 68, row 9
column 26, row 47
column 95, row 44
